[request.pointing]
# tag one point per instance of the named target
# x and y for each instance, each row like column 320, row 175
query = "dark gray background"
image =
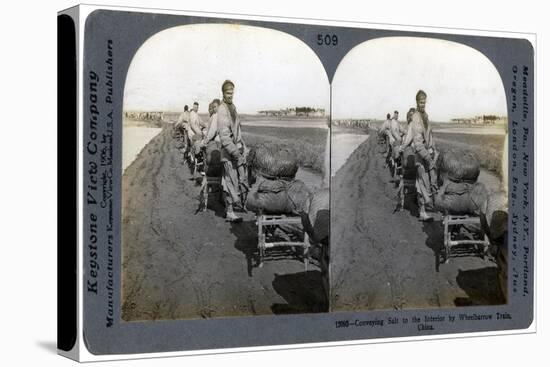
column 128, row 32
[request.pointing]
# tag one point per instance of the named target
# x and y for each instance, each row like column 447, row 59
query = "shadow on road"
column 302, row 291
column 246, row 242
column 434, row 240
column 481, row 286
column 215, row 200
column 410, row 204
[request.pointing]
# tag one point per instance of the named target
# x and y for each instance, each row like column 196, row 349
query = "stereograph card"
column 244, row 182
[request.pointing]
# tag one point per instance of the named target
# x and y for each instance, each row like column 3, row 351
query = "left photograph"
column 225, row 185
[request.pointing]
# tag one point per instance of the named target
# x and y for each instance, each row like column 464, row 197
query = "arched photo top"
column 271, row 69
column 382, row 75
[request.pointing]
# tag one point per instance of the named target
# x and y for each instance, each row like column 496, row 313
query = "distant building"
column 356, row 123
column 145, row 116
column 481, row 120
column 295, row 111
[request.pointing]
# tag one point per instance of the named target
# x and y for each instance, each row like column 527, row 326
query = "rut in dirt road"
column 177, row 263
column 383, row 259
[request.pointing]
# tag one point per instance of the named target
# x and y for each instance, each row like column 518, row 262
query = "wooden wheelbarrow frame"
column 265, row 222
column 449, row 221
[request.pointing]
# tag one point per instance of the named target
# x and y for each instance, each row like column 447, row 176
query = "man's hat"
column 420, row 94
column 227, row 85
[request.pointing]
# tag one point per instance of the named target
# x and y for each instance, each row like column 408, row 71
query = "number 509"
column 327, row 40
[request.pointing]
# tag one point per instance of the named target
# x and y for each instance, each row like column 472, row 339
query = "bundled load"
column 317, row 221
column 460, row 194
column 277, row 196
column 274, row 162
column 461, row 198
column 459, row 165
column 496, row 216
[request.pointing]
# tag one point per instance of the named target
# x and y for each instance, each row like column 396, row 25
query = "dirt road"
column 386, row 260
column 178, row 263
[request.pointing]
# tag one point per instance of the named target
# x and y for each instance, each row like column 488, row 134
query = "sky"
column 270, row 69
column 383, row 75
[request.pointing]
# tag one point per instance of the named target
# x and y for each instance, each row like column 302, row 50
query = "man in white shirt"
column 212, row 129
column 182, row 126
column 195, row 121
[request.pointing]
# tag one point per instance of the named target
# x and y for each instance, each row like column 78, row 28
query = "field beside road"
column 307, row 144
column 488, row 147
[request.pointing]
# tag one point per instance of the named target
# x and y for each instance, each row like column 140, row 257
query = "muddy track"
column 178, row 263
column 383, row 259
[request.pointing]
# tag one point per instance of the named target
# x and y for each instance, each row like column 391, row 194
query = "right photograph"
column 419, row 175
